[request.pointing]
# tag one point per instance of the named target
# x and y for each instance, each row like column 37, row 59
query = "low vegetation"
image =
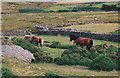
column 70, row 57
column 93, row 58
column 39, row 54
column 6, row 73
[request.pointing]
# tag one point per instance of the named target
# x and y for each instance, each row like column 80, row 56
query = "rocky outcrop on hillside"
column 18, row 52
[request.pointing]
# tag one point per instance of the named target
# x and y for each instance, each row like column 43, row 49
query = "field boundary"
column 64, row 32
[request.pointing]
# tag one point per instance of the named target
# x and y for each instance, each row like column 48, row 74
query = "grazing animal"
column 35, row 39
column 82, row 41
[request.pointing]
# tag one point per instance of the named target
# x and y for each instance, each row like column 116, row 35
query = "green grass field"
column 95, row 28
column 16, row 20
column 65, row 40
column 26, row 21
column 21, row 68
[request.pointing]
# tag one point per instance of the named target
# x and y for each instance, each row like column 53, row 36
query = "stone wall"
column 107, row 37
column 66, row 32
column 14, row 33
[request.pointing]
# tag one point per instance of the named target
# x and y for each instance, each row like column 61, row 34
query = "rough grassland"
column 21, row 68
column 26, row 21
column 65, row 40
column 95, row 28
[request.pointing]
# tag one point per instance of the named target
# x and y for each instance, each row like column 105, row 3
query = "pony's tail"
column 91, row 43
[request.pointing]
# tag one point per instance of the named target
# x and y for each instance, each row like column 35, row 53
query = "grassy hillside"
column 26, row 21
column 22, row 68
column 95, row 28
column 17, row 20
column 13, row 7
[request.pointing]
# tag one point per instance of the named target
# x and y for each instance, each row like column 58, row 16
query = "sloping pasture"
column 64, row 40
column 39, row 69
column 27, row 20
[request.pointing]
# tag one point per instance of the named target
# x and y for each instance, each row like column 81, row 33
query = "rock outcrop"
column 18, row 52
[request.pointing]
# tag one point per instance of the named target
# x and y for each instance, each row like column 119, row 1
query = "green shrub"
column 46, row 42
column 93, row 55
column 24, row 44
column 73, row 57
column 6, row 73
column 100, row 57
column 42, row 57
column 51, row 75
column 103, row 62
column 58, row 45
column 35, row 49
column 32, row 11
column 6, row 37
column 85, row 61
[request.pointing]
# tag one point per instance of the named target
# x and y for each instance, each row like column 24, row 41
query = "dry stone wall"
column 65, row 32
column 14, row 33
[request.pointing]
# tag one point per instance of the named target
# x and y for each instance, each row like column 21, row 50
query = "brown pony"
column 35, row 39
column 82, row 41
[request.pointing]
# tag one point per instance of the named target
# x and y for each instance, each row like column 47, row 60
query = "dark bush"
column 73, row 57
column 100, row 57
column 85, row 61
column 63, row 11
column 6, row 73
column 58, row 45
column 103, row 62
column 32, row 11
column 46, row 42
column 6, row 37
column 87, row 8
column 42, row 57
column 51, row 75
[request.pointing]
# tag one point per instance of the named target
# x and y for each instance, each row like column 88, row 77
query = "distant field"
column 96, row 28
column 13, row 7
column 27, row 20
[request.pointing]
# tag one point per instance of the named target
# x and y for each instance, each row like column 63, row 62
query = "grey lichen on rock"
column 18, row 52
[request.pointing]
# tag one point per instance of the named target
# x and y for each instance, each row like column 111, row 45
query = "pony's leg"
column 81, row 46
column 88, row 48
column 41, row 45
column 76, row 44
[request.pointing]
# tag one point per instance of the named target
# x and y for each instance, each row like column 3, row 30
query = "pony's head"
column 73, row 37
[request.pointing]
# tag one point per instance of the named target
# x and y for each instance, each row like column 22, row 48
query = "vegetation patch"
column 58, row 45
column 39, row 54
column 92, row 58
column 32, row 11
column 103, row 62
column 51, row 75
column 6, row 73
